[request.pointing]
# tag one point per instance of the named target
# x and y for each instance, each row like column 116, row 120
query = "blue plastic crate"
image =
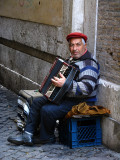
column 80, row 132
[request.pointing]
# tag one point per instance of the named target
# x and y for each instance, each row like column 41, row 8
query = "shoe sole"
column 15, row 142
column 20, row 143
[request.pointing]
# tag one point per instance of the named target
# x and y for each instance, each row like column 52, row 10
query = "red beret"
column 76, row 35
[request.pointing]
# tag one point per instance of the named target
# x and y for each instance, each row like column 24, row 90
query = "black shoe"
column 46, row 141
column 25, row 138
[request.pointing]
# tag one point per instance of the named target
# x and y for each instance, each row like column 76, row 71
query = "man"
column 83, row 89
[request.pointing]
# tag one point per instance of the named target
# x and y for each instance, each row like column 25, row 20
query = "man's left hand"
column 58, row 82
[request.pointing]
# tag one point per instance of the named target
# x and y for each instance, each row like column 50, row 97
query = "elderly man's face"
column 77, row 48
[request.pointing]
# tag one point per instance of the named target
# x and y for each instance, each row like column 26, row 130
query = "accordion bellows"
column 55, row 94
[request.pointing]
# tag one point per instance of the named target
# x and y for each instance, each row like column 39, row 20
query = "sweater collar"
column 86, row 55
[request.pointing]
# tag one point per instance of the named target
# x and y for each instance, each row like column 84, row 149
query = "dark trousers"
column 46, row 113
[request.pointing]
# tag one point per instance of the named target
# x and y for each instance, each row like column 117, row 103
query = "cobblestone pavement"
column 8, row 103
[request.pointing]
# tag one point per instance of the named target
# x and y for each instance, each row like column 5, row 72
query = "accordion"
column 55, row 94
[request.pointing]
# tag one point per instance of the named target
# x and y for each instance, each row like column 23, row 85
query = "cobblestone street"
column 8, row 103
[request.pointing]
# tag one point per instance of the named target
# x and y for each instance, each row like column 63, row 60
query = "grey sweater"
column 85, row 85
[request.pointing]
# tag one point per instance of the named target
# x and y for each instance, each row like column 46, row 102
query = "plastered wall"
column 28, row 48
column 40, row 11
column 22, row 41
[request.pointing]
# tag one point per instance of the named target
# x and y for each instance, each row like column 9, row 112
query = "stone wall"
column 27, row 49
column 108, row 44
column 108, row 54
